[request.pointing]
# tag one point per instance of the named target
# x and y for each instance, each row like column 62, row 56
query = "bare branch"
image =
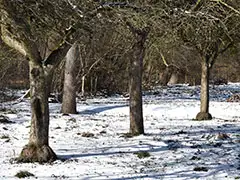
column 228, row 6
column 57, row 55
column 12, row 42
column 164, row 60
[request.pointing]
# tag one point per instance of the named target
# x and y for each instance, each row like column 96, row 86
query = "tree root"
column 33, row 153
column 203, row 116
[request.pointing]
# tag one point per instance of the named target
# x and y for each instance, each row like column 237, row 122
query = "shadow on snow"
column 200, row 144
column 100, row 109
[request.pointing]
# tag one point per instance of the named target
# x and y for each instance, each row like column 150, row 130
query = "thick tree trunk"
column 204, row 108
column 38, row 149
column 69, row 90
column 135, row 84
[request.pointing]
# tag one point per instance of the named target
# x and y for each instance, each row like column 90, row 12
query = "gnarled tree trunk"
column 38, row 149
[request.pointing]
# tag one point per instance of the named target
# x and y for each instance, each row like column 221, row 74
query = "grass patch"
column 200, row 169
column 87, row 134
column 195, row 158
column 72, row 120
column 23, row 174
column 4, row 137
column 5, row 120
column 142, row 154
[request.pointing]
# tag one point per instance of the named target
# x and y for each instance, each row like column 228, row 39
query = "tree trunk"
column 135, row 83
column 95, row 85
column 174, row 78
column 69, row 90
column 38, row 149
column 165, row 77
column 83, row 86
column 204, row 108
column 135, row 91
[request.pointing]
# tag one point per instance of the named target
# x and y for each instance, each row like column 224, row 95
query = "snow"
column 179, row 147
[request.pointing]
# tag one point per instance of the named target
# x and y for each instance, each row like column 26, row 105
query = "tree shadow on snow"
column 218, row 156
column 100, row 109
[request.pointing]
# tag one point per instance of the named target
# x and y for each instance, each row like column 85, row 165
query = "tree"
column 210, row 27
column 135, row 79
column 69, row 87
column 24, row 25
column 140, row 17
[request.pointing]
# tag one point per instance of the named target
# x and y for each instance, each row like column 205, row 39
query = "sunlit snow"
column 179, row 147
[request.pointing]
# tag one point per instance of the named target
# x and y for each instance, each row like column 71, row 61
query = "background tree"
column 210, row 27
column 69, row 87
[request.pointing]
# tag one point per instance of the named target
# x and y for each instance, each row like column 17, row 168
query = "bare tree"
column 23, row 27
column 210, row 27
column 135, row 79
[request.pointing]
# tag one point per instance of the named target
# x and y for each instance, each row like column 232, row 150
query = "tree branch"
column 228, row 6
column 164, row 60
column 27, row 46
column 60, row 52
column 197, row 5
column 11, row 42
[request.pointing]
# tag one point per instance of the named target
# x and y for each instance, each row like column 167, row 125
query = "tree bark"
column 135, row 82
column 204, row 108
column 69, row 90
column 135, row 91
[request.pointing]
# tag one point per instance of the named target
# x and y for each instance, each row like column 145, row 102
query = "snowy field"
column 93, row 145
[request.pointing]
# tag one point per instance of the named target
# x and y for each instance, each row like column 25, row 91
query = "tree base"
column 203, row 116
column 33, row 153
column 136, row 133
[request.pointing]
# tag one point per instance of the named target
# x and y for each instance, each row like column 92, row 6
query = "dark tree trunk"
column 165, row 77
column 204, row 108
column 135, row 82
column 135, row 91
column 38, row 149
column 69, row 90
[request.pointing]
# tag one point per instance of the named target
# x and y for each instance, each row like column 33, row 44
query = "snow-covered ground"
column 179, row 147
